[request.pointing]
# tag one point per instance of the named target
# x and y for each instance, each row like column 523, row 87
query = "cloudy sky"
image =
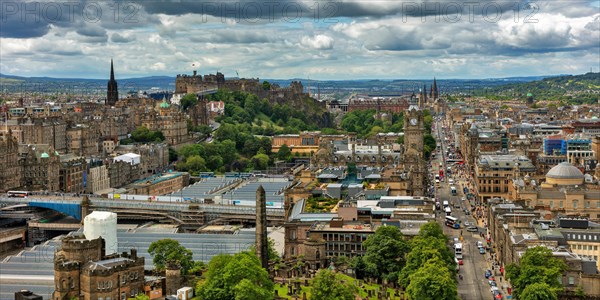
column 287, row 39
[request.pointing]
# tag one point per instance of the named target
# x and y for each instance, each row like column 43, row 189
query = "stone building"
column 84, row 139
column 97, row 179
column 49, row 131
column 170, row 121
column 494, row 174
column 10, row 170
column 121, row 173
column 160, row 184
column 82, row 271
column 563, row 192
column 72, row 173
column 40, row 166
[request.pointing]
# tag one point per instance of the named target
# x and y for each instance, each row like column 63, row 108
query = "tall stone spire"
column 434, row 90
column 112, row 93
column 262, row 244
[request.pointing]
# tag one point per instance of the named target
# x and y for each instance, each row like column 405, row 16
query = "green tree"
column 385, row 253
column 189, row 100
column 260, row 161
column 284, row 153
column 539, row 291
column 195, row 164
column 168, row 251
column 266, row 85
column 237, row 277
column 328, row 285
column 537, row 266
column 433, row 281
column 140, row 296
column 358, row 265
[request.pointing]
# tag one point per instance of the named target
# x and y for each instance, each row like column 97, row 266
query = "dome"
column 164, row 104
column 564, row 174
column 44, row 155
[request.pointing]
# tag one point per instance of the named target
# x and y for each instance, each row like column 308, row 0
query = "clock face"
column 413, row 121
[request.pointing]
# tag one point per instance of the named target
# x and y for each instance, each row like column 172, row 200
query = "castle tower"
column 262, row 244
column 112, row 94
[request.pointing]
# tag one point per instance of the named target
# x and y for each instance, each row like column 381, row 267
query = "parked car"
column 472, row 229
column 488, row 273
column 479, row 244
column 481, row 250
column 492, row 283
column 493, row 289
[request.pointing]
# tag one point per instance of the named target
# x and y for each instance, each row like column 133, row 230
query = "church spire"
column 112, row 71
column 112, row 92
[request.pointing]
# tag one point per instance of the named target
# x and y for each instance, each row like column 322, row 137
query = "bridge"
column 189, row 215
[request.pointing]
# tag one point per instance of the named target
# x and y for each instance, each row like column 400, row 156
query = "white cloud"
column 319, row 41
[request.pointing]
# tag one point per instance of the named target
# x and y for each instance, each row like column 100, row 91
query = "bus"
column 453, row 190
column 18, row 194
column 452, row 222
column 458, row 251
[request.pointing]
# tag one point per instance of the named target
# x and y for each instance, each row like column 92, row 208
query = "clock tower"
column 414, row 160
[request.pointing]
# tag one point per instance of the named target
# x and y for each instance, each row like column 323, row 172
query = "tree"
column 237, row 277
column 328, row 285
column 538, row 291
column 168, row 251
column 431, row 282
column 358, row 265
column 260, row 161
column 537, row 266
column 266, row 85
column 284, row 153
column 189, row 100
column 140, row 296
column 385, row 253
column 195, row 164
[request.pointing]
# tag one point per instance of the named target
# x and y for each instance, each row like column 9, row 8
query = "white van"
column 451, row 181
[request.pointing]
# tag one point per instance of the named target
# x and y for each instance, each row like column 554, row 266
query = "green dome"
column 44, row 155
column 529, row 95
column 164, row 104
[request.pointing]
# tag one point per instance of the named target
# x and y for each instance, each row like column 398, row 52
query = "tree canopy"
column 187, row 101
column 385, row 253
column 539, row 291
column 168, row 251
column 237, row 277
column 433, row 281
column 537, row 265
column 329, row 285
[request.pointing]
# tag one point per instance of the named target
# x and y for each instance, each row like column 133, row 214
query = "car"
column 488, row 273
column 479, row 244
column 492, row 283
column 493, row 289
column 466, row 223
column 481, row 250
column 497, row 294
column 472, row 229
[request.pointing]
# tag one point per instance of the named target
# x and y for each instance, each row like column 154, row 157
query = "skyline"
column 301, row 39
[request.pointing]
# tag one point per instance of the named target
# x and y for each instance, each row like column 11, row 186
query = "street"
column 473, row 285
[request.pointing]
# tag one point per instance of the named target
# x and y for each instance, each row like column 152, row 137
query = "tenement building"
column 10, row 171
column 494, row 174
column 40, row 166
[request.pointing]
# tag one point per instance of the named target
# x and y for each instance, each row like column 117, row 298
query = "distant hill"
column 573, row 89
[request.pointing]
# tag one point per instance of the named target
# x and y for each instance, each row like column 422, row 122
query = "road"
column 474, row 285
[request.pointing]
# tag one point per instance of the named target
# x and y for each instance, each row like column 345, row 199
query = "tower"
column 434, row 90
column 414, row 162
column 112, row 94
column 262, row 245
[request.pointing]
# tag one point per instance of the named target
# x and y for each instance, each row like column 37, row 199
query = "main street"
column 474, row 285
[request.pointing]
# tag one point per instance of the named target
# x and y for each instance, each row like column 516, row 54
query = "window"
column 575, row 203
column 292, row 250
column 123, row 296
column 587, row 204
column 571, row 280
column 551, row 207
column 560, row 204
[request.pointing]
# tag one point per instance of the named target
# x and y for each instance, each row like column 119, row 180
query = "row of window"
column 586, row 204
column 583, row 237
column 585, row 247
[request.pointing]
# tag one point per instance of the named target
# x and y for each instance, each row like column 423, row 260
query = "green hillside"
column 577, row 89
